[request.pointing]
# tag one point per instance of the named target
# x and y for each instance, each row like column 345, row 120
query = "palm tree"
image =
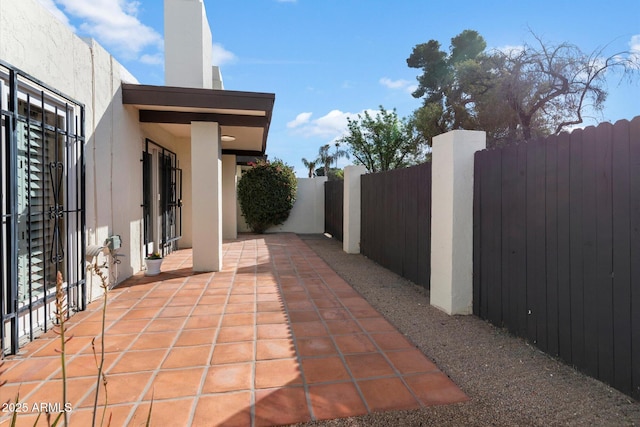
column 311, row 166
column 326, row 158
column 339, row 153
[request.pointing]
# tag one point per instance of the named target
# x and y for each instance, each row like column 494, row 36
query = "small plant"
column 60, row 329
column 61, row 314
column 155, row 255
column 267, row 193
column 101, row 378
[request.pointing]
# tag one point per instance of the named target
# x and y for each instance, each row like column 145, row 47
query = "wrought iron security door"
column 42, row 205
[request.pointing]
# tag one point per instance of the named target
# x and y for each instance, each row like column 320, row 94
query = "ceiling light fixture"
column 227, row 138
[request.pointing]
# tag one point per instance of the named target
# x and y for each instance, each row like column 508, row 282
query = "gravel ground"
column 509, row 382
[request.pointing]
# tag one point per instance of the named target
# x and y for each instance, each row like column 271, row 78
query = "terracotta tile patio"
column 275, row 338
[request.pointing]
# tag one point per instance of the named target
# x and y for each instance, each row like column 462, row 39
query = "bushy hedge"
column 267, row 193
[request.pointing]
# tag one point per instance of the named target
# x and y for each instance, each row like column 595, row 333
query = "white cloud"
column 51, row 7
column 300, row 119
column 221, row 56
column 634, row 47
column 113, row 23
column 331, row 125
column 401, row 84
column 155, row 59
column 510, row 49
column 634, row 43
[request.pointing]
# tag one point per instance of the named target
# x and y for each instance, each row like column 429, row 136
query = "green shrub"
column 267, row 192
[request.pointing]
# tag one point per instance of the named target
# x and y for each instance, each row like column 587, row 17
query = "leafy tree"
column 267, row 193
column 334, row 174
column 533, row 90
column 384, row 141
column 311, row 166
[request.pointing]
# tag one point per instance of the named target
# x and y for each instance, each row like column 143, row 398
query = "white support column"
column 351, row 215
column 229, row 197
column 452, row 220
column 206, row 187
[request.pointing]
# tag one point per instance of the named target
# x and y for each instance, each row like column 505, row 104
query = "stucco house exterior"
column 92, row 159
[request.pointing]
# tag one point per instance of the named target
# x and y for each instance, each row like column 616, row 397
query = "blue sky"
column 330, row 59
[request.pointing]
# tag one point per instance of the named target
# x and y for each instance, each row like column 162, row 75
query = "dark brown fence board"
column 621, row 257
column 365, row 234
column 634, row 240
column 564, row 245
column 367, row 229
column 424, row 225
column 391, row 219
column 511, row 234
column 411, row 234
column 398, row 222
column 396, row 217
column 487, row 236
column 604, row 252
column 551, row 237
column 494, row 247
column 557, row 244
column 589, row 250
column 536, row 269
column 334, row 208
column 576, row 261
column 520, row 245
column 478, row 167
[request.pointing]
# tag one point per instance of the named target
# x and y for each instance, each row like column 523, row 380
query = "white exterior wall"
column 187, row 44
column 229, row 198
column 242, row 224
column 34, row 41
column 307, row 215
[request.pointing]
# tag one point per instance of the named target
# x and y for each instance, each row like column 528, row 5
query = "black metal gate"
column 167, row 184
column 43, row 204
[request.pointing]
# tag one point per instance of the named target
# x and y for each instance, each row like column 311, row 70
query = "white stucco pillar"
column 206, row 196
column 452, row 220
column 229, row 197
column 351, row 215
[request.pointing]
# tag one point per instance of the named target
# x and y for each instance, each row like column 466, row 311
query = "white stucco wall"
column 229, row 197
column 307, row 215
column 34, row 41
column 242, row 224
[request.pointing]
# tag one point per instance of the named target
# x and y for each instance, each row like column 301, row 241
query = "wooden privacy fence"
column 333, row 208
column 396, row 221
column 557, row 247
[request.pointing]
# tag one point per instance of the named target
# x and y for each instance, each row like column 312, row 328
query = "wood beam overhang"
column 186, row 117
column 167, row 96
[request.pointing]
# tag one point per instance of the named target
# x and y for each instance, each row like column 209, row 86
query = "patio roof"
column 244, row 115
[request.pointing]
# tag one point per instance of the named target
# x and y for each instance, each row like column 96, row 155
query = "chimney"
column 217, row 78
column 187, row 45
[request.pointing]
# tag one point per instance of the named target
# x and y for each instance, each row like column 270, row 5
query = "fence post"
column 452, row 220
column 351, row 214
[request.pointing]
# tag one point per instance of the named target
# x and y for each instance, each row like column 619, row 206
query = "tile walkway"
column 275, row 338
